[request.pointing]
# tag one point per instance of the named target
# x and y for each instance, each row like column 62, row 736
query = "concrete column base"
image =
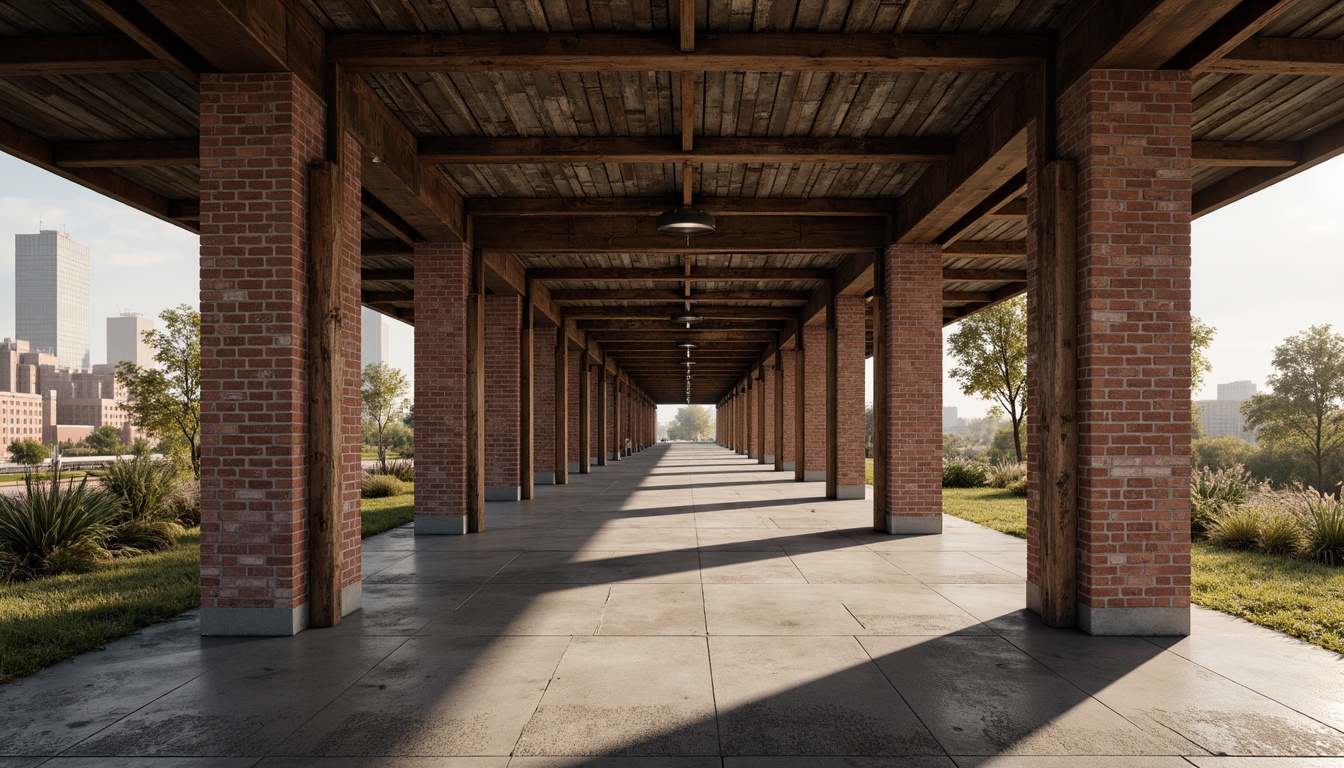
column 440, row 525
column 843, row 492
column 503, row 493
column 814, row 475
column 789, row 466
column 914, row 525
column 543, row 478
column 769, row 459
column 574, row 466
column 253, row 622
column 592, row 461
column 1033, row 598
column 1134, row 622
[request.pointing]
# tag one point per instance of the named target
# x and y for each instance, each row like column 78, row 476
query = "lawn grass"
column 380, row 515
column 991, row 507
column 53, row 618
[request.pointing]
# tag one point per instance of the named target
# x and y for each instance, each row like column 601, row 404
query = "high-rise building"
column 1222, row 417
column 126, row 339
column 374, row 329
column 51, row 296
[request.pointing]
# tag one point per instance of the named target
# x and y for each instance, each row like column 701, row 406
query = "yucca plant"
column 1279, row 533
column 146, row 519
column 381, row 486
column 1322, row 521
column 50, row 527
column 962, row 473
column 402, row 469
column 1004, row 473
column 1236, row 528
column 1216, row 492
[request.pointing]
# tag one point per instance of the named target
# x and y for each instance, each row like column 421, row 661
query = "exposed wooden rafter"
column 1284, row 56
column 656, row 150
column 48, row 56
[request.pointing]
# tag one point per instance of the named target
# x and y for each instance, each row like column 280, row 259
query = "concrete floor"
column 684, row 608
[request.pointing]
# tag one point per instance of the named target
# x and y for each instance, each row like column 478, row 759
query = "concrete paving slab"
column 384, row 762
column 588, row 566
column 748, row 568
column 615, row 762
column 627, row 696
column 435, row 697
column 654, row 609
column 809, row 696
column 445, row 568
column 919, row 610
column 777, row 609
column 1048, row 761
column 851, row 565
column 949, row 567
column 848, row 761
column 525, row 609
column 148, row 762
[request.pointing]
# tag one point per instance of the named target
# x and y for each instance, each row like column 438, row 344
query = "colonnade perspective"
column 507, row 394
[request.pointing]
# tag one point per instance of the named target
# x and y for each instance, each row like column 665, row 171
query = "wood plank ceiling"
column 816, row 132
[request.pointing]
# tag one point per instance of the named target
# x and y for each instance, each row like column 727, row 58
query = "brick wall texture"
column 543, row 398
column 503, row 317
column 766, row 413
column 814, row 392
column 575, row 368
column 789, row 374
column 259, row 134
column 442, row 285
column 1129, row 134
column 846, row 339
column 913, row 355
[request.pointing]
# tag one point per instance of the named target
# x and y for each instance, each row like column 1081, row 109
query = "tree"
column 990, row 349
column 105, row 441
column 692, row 422
column 1201, row 338
column 1220, row 452
column 382, row 393
column 165, row 401
column 868, row 432
column 28, row 451
column 1305, row 409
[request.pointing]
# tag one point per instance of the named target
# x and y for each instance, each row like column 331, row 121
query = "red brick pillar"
column 846, row 339
column 543, row 404
column 259, row 135
column 576, row 368
column 908, row 398
column 1128, row 135
column 503, row 318
column 765, row 385
column 811, row 465
column 749, row 405
column 788, row 374
column 617, row 417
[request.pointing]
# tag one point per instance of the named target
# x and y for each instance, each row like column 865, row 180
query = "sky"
column 1264, row 268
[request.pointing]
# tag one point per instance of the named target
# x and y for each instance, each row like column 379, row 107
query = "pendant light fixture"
column 685, row 220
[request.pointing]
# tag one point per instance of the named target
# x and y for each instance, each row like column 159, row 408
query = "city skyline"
column 1294, row 223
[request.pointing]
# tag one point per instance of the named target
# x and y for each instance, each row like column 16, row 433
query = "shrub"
column 402, row 469
column 186, row 501
column 51, row 528
column 143, row 489
column 1236, row 528
column 1017, row 487
column 1322, row 522
column 28, row 451
column 960, row 473
column 1214, row 492
column 382, row 486
column 1279, row 534
column 1004, row 473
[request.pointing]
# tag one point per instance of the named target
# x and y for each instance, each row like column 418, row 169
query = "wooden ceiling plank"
column 386, row 275
column 1136, row 34
column 677, row 297
column 1233, row 29
column 761, row 234
column 985, row 275
column 652, row 206
column 985, row 249
column 50, row 56
column 676, row 274
column 1316, row 149
column 733, row 52
column 374, row 208
column 706, row 149
column 386, row 248
column 127, row 154
column 1247, row 154
column 153, row 35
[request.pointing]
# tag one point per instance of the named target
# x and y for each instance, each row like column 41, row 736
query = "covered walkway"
column 684, row 603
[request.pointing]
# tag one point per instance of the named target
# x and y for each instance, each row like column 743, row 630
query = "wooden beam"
column 387, row 297
column 185, row 210
column 855, row 275
column 375, row 209
column 1223, row 37
column 1283, row 56
column 652, row 206
column 385, row 275
column 153, row 35
column 967, row 296
column 710, row 313
column 1013, row 209
column 656, row 150
column 1246, row 154
column 609, row 335
column 1136, row 34
column 687, row 111
column 127, row 154
column 984, row 275
column 476, row 397
column 985, row 249
column 678, row 297
column 386, row 248
column 1000, row 198
column 526, row 391
column 663, row 326
column 1316, row 149
column 505, row 274
column 743, row 52
column 561, row 405
column 54, row 56
column 750, row 234
column 704, row 274
column 34, row 149
column 585, row 415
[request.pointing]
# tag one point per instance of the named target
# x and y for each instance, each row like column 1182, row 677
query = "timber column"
column 278, row 549
column 845, row 420
column 908, row 391
column 503, row 417
column 810, row 400
column 1124, row 149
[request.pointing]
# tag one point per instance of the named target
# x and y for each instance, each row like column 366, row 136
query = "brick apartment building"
column 42, row 400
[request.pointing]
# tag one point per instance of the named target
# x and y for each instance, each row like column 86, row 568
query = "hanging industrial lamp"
column 686, row 317
column 685, row 221
column 687, row 345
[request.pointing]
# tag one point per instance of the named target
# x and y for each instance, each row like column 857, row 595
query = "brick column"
column 575, row 425
column 543, row 404
column 908, row 400
column 1128, row 135
column 602, row 408
column 503, row 316
column 846, row 339
column 617, row 446
column 259, row 135
column 765, row 385
column 813, row 425
column 749, row 403
column 788, row 374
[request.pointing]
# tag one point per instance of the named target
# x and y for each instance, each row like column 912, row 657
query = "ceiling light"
column 686, row 317
column 687, row 345
column 688, row 362
column 685, row 222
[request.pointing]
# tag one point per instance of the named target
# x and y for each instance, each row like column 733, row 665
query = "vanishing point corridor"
column 684, row 608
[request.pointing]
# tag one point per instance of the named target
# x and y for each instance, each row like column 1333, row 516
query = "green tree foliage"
column 868, row 432
column 105, row 441
column 165, row 401
column 28, row 451
column 383, row 396
column 1201, row 338
column 990, row 350
column 692, row 422
column 1305, row 409
column 1221, row 452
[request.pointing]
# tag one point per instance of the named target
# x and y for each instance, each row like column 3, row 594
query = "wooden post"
column 526, row 390
column 881, row 381
column 1057, row 400
column 779, row 412
column 561, row 406
column 799, row 408
column 476, row 396
column 325, row 366
column 585, row 414
column 832, row 401
column 617, row 405
column 602, row 415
